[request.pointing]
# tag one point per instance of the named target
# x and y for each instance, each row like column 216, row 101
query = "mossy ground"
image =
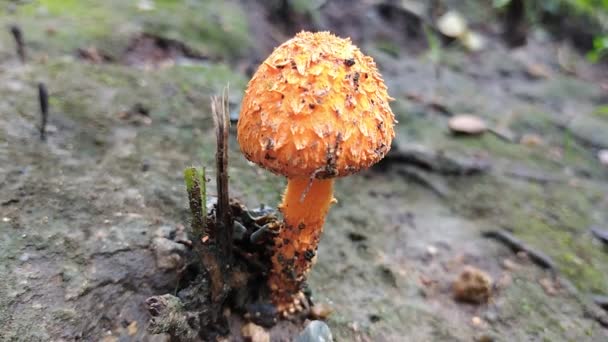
column 79, row 213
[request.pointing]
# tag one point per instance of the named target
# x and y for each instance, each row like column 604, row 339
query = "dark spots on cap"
column 356, row 81
column 349, row 62
column 381, row 150
column 301, row 226
column 311, row 106
column 269, row 144
column 309, row 255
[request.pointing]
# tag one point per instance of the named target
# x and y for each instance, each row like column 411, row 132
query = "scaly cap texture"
column 316, row 107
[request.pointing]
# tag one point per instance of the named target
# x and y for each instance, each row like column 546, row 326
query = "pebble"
column 254, row 333
column 531, row 140
column 315, row 331
column 132, row 328
column 168, row 253
column 467, row 124
column 431, row 250
column 602, row 155
column 473, row 41
column 509, row 265
column 549, row 286
column 538, row 71
column 485, row 338
column 321, row 311
column 476, row 321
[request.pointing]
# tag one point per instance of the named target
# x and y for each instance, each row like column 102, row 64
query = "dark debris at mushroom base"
column 192, row 314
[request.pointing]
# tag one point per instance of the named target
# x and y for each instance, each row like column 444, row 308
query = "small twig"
column 43, row 98
column 436, row 161
column 532, row 176
column 516, row 245
column 504, row 136
column 601, row 301
column 592, row 309
column 421, row 178
column 20, row 45
column 601, row 234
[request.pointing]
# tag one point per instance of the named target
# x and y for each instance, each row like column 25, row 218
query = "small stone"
column 473, row 41
column 254, row 333
column 91, row 54
column 321, row 311
column 476, row 321
column 509, row 265
column 168, row 253
column 467, row 124
column 452, row 24
column 315, row 331
column 431, row 250
column 132, row 328
column 485, row 338
column 473, row 286
column 538, row 71
column 549, row 286
column 602, row 155
column 491, row 316
column 504, row 281
column 531, row 140
column 522, row 255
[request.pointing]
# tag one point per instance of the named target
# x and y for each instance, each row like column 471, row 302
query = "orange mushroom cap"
column 316, row 107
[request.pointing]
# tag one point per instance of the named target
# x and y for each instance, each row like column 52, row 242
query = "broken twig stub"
column 220, row 111
column 539, row 258
column 19, row 42
column 43, row 98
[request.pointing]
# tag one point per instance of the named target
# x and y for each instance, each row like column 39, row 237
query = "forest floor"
column 88, row 218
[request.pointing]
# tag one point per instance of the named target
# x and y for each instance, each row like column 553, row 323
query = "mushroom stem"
column 296, row 243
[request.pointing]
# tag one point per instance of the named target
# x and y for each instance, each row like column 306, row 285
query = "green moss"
column 525, row 304
column 217, row 29
column 601, row 112
column 553, row 220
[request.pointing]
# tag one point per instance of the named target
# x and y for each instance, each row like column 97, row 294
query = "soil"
column 90, row 218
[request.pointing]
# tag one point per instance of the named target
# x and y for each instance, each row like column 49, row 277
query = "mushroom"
column 316, row 109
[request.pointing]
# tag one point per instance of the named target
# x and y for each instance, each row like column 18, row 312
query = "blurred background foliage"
column 592, row 12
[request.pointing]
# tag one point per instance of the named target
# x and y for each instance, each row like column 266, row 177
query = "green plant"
column 600, row 49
